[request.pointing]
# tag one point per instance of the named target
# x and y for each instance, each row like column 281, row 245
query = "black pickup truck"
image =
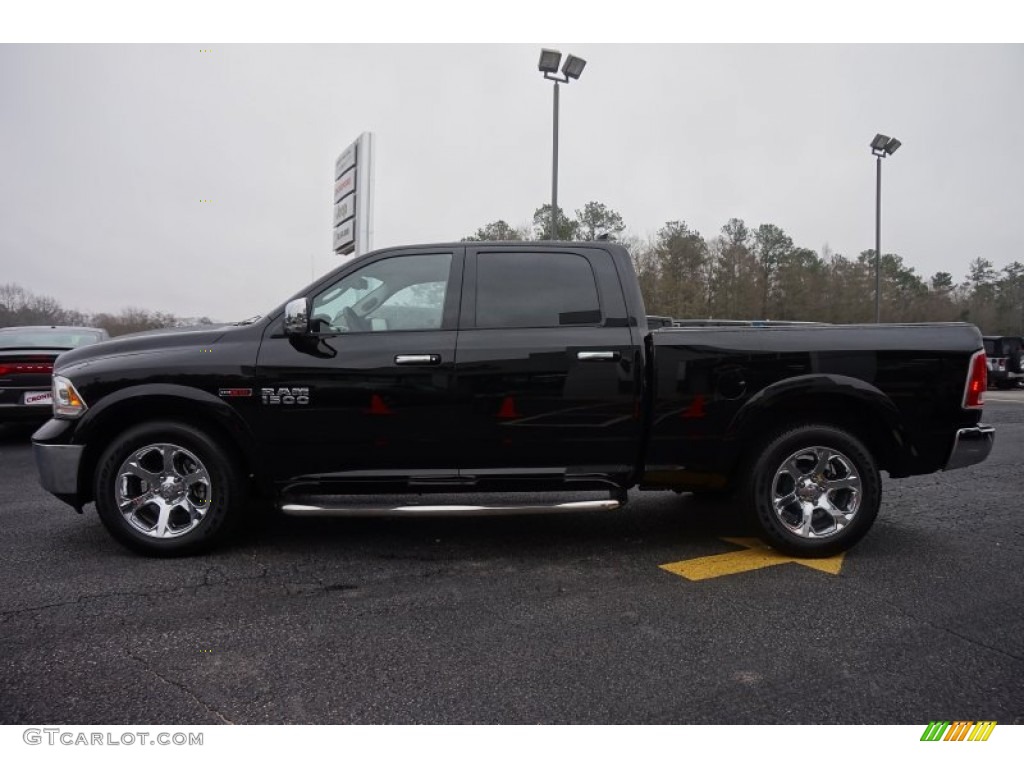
column 498, row 367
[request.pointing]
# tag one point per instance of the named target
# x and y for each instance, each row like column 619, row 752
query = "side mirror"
column 296, row 317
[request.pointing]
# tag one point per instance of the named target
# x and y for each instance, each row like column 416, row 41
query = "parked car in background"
column 1005, row 364
column 26, row 365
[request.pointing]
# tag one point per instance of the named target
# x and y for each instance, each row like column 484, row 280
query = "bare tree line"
column 19, row 306
column 749, row 273
column 741, row 273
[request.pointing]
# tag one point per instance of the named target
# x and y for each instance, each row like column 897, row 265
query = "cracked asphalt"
column 539, row 619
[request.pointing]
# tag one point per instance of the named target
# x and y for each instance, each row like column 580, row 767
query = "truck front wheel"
column 813, row 491
column 166, row 489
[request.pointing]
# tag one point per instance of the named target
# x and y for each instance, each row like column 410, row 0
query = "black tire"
column 226, row 489
column 767, row 476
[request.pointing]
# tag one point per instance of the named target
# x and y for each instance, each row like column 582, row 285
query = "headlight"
column 66, row 400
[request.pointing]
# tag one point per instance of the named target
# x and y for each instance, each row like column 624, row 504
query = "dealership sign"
column 353, row 198
column 346, row 185
column 344, row 237
column 344, row 210
column 346, row 160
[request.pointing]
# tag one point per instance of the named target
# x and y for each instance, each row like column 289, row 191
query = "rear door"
column 546, row 373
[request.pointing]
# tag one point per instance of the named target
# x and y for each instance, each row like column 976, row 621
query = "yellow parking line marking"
column 755, row 555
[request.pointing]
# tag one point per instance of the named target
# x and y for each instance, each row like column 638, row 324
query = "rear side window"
column 535, row 290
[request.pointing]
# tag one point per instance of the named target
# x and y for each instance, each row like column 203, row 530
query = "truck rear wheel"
column 166, row 489
column 813, row 491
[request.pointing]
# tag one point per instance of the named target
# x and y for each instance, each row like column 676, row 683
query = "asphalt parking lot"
column 554, row 619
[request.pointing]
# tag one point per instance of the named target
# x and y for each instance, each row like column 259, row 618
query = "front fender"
column 132, row 405
column 116, row 401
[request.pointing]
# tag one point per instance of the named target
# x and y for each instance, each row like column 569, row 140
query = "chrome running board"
column 446, row 510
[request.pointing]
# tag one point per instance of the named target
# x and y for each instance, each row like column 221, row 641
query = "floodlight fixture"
column 549, row 61
column 892, row 146
column 573, row 67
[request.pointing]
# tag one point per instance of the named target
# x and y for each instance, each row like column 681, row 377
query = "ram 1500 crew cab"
column 502, row 367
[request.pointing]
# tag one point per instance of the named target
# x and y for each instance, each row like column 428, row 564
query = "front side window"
column 401, row 293
column 535, row 290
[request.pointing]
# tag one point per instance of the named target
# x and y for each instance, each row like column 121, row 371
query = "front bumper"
column 58, row 467
column 971, row 446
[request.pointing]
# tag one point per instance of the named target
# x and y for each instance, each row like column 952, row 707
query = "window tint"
column 535, row 290
column 402, row 293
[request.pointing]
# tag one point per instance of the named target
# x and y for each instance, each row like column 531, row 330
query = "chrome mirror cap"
column 296, row 317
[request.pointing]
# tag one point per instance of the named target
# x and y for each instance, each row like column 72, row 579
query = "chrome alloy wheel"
column 816, row 492
column 163, row 490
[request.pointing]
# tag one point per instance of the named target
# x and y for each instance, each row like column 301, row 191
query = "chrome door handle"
column 417, row 359
column 597, row 356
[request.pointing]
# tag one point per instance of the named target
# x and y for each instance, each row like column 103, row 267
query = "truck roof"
column 545, row 244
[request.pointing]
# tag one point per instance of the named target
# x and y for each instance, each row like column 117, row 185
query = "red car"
column 26, row 364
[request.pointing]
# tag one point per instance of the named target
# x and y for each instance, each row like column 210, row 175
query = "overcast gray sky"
column 106, row 152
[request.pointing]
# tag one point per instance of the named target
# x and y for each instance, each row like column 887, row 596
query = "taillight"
column 6, row 369
column 977, row 381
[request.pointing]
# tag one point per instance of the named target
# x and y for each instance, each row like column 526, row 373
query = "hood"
column 146, row 341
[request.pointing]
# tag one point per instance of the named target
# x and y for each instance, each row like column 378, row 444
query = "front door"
column 368, row 393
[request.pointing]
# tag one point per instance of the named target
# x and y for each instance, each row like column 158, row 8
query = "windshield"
column 67, row 338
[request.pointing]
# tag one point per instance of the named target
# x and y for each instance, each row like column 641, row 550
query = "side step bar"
column 446, row 510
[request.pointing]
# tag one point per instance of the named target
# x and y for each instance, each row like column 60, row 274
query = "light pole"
column 881, row 146
column 571, row 70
